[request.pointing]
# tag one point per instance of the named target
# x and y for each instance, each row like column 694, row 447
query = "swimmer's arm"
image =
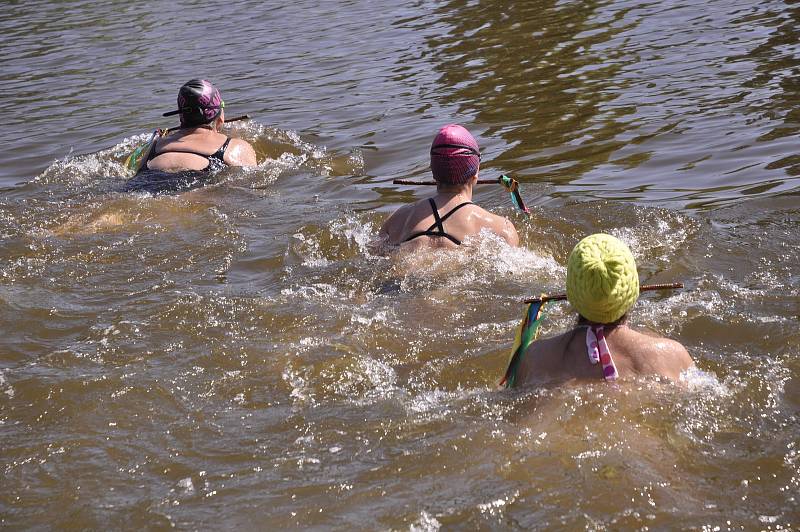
column 683, row 357
column 506, row 229
column 511, row 235
column 240, row 153
column 391, row 228
column 675, row 362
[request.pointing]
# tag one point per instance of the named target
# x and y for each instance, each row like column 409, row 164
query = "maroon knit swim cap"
column 455, row 156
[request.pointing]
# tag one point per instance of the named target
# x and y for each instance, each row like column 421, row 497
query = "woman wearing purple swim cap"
column 446, row 219
column 197, row 145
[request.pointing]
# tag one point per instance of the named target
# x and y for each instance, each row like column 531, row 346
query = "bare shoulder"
column 543, row 358
column 665, row 345
column 395, row 222
column 240, row 153
column 500, row 225
column 678, row 352
column 666, row 355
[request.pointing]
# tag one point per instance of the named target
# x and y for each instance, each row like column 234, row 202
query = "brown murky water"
column 235, row 357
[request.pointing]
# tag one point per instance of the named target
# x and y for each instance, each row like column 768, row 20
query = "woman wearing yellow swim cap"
column 602, row 285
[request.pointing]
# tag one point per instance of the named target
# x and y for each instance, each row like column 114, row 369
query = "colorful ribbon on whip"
column 139, row 155
column 527, row 332
column 512, row 186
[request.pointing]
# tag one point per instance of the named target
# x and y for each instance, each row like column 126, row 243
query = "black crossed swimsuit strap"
column 437, row 229
column 438, row 221
column 220, row 153
column 454, row 209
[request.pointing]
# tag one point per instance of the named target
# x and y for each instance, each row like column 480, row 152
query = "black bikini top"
column 437, row 229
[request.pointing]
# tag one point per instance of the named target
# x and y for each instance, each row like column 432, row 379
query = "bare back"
column 564, row 357
column 416, row 224
column 197, row 146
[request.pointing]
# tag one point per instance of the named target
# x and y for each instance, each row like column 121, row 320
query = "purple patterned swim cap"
column 455, row 156
column 199, row 102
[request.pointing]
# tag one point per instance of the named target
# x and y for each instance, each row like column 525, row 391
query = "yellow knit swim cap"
column 602, row 281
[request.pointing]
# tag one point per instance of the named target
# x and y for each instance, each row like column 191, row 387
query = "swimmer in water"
column 602, row 285
column 449, row 217
column 188, row 155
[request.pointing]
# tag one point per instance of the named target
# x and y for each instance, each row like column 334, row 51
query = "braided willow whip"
column 643, row 288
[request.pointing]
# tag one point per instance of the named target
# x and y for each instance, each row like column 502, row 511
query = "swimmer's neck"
column 621, row 322
column 214, row 126
column 451, row 191
column 195, row 129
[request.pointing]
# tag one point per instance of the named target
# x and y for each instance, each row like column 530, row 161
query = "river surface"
column 236, row 357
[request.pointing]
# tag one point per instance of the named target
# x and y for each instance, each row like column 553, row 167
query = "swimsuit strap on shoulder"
column 220, row 153
column 438, row 223
column 453, row 210
column 597, row 349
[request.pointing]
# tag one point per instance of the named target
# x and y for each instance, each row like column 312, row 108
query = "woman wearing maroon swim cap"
column 449, row 217
column 178, row 160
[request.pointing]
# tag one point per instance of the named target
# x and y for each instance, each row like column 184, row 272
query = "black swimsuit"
column 159, row 181
column 437, row 229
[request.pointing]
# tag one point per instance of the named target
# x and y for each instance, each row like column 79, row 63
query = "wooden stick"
column 234, row 119
column 643, row 288
column 237, row 118
column 410, row 182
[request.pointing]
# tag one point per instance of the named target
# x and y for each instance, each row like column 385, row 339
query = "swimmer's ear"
column 219, row 121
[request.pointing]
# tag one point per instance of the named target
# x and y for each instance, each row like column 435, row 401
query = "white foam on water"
column 366, row 380
column 659, row 235
column 301, row 392
column 496, row 255
column 270, row 169
column 497, row 506
column 425, row 523
column 82, row 169
column 727, row 284
column 309, row 249
column 356, row 161
column 303, row 155
column 316, row 291
column 479, row 263
column 436, row 403
column 356, row 230
column 380, row 317
column 775, row 319
column 106, row 163
column 186, row 486
column 666, row 314
column 310, row 341
column 4, row 384
column 698, row 380
column 110, row 162
column 714, row 296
